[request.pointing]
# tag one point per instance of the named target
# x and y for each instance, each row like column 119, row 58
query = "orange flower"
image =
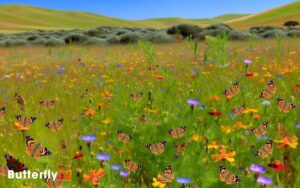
column 106, row 94
column 94, row 176
column 213, row 145
column 292, row 142
column 214, row 98
column 241, row 125
column 89, row 112
column 195, row 137
column 159, row 77
column 20, row 127
column 223, row 155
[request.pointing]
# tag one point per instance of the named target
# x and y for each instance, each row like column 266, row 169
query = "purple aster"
column 115, row 167
column 298, row 126
column 193, row 103
column 182, row 180
column 263, row 180
column 38, row 83
column 124, row 173
column 247, row 61
column 61, row 68
column 89, row 139
column 119, row 65
column 103, row 157
column 59, row 72
column 258, row 168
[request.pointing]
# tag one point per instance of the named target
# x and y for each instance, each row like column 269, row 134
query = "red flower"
column 78, row 155
column 298, row 84
column 214, row 113
column 249, row 74
column 276, row 165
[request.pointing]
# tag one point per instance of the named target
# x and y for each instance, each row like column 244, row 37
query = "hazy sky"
column 141, row 9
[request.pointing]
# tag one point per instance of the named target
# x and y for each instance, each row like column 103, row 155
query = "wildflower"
column 213, row 145
column 103, row 157
column 78, row 155
column 249, row 74
column 256, row 117
column 223, row 155
column 259, row 169
column 298, row 126
column 158, row 183
column 159, row 77
column 184, row 181
column 106, row 94
column 124, row 173
column 106, row 121
column 276, row 165
column 89, row 139
column 94, row 176
column 214, row 112
column 195, row 137
column 89, row 112
column 247, row 62
column 214, row 98
column 266, row 102
column 193, row 103
column 250, row 110
column 226, row 129
column 292, row 142
column 115, row 167
column 264, row 180
column 241, row 125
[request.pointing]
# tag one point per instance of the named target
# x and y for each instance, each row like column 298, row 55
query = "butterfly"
column 177, row 133
column 261, row 130
column 181, row 147
column 136, row 96
column 239, row 110
column 14, row 164
column 232, row 91
column 47, row 104
column 154, row 68
column 284, row 106
column 53, row 184
column 167, row 176
column 132, row 166
column 228, row 177
column 124, row 138
column 269, row 91
column 55, row 126
column 80, row 62
column 157, row 148
column 20, row 101
column 142, row 119
column 24, row 123
column 2, row 110
column 265, row 150
column 34, row 149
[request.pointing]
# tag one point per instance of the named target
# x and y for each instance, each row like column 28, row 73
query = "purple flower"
column 280, row 76
column 103, row 157
column 298, row 126
column 115, row 167
column 182, row 180
column 59, row 72
column 88, row 138
column 247, row 61
column 264, row 180
column 119, row 65
column 61, row 68
column 194, row 102
column 258, row 168
column 124, row 173
column 38, row 83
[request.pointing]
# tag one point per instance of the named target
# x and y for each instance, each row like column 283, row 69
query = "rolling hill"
column 273, row 17
column 18, row 18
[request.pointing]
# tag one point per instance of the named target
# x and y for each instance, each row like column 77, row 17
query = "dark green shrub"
column 130, row 37
column 294, row 33
column 185, row 30
column 95, row 41
column 75, row 37
column 55, row 42
column 158, row 37
column 239, row 35
column 273, row 33
column 113, row 39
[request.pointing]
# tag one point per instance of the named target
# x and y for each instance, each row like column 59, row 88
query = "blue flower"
column 258, row 168
column 119, row 65
column 59, row 72
column 280, row 76
column 115, row 167
column 193, row 102
column 103, row 157
column 298, row 126
column 202, row 106
column 38, row 83
column 89, row 138
column 124, row 173
column 182, row 180
column 264, row 180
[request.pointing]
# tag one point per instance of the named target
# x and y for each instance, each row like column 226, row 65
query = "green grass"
column 18, row 18
column 124, row 70
column 274, row 17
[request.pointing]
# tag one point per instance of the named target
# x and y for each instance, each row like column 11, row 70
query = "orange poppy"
column 89, row 112
column 94, row 176
column 223, row 155
column 106, row 94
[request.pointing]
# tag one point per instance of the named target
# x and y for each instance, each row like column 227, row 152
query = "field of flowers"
column 152, row 116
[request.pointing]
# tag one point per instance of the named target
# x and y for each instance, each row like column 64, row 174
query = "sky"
column 144, row 9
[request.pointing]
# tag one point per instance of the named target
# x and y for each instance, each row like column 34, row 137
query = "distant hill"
column 273, row 17
column 18, row 18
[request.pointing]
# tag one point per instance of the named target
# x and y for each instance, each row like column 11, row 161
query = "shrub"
column 273, row 33
column 185, row 30
column 40, row 41
column 95, row 41
column 239, row 35
column 215, row 30
column 75, row 37
column 294, row 33
column 129, row 37
column 158, row 37
column 55, row 42
column 13, row 42
column 113, row 39
column 291, row 23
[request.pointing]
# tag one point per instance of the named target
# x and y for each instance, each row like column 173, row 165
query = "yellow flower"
column 268, row 75
column 223, row 155
column 241, row 125
column 106, row 121
column 213, row 145
column 195, row 137
column 292, row 142
column 157, row 183
column 250, row 110
column 226, row 129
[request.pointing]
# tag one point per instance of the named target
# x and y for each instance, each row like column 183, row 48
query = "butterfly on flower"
column 132, row 166
column 266, row 150
column 123, row 137
column 228, row 177
column 24, row 123
column 157, row 148
column 285, row 106
column 47, row 104
column 177, row 133
column 261, row 130
column 55, row 126
column 167, row 176
column 232, row 91
column 269, row 91
column 239, row 110
column 34, row 149
column 2, row 111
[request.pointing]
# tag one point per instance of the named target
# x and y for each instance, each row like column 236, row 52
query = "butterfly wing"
column 35, row 149
column 14, row 164
column 265, row 150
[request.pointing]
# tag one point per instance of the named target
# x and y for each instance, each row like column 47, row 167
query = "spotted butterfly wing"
column 55, row 126
column 34, row 149
column 24, row 123
column 269, row 91
column 228, row 177
column 232, row 91
column 167, row 176
column 261, row 130
column 14, row 164
column 53, row 184
column 47, row 104
column 181, row 147
column 285, row 106
column 124, row 138
column 157, row 148
column 2, row 110
column 136, row 96
column 177, row 133
column 132, row 166
column 20, row 101
column 266, row 150
column 239, row 110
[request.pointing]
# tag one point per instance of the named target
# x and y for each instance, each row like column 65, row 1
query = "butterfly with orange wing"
column 124, row 138
column 285, row 106
column 24, row 123
column 47, row 104
column 53, row 184
column 167, row 176
column 232, row 91
column 14, row 164
column 239, row 110
column 136, row 96
column 19, row 99
column 2, row 111
column 261, row 130
column 157, row 148
column 269, row 91
column 55, row 126
column 34, row 149
column 266, row 150
column 228, row 177
column 181, row 147
column 177, row 133
column 132, row 166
